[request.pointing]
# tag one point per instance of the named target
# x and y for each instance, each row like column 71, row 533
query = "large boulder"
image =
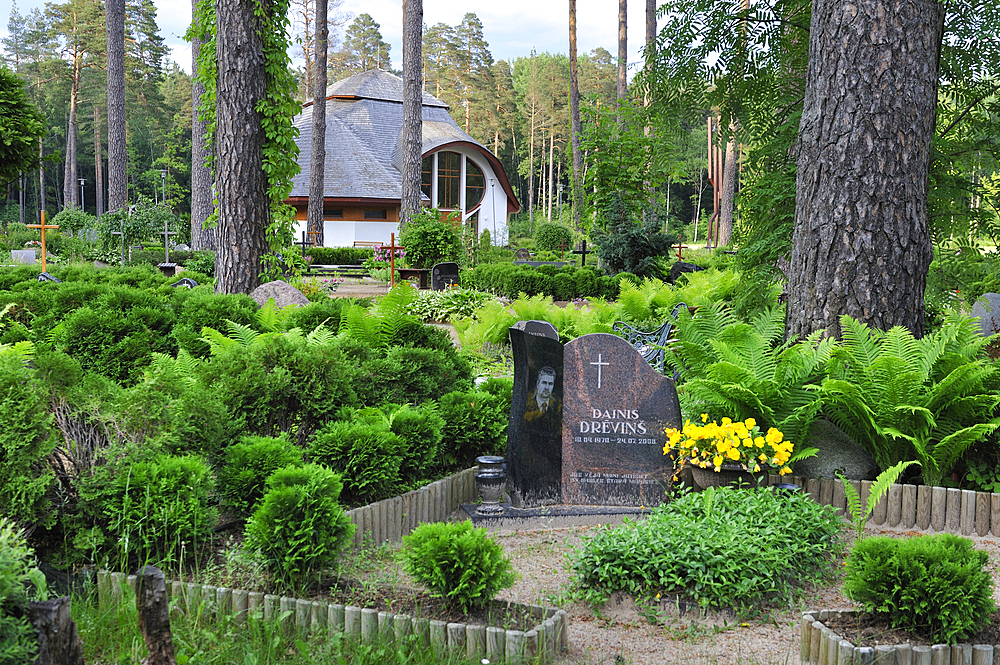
column 987, row 310
column 837, row 452
column 284, row 294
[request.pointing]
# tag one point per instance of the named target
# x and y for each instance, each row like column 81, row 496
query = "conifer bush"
column 475, row 424
column 247, row 466
column 365, row 452
column 935, row 586
column 458, row 562
column 18, row 640
column 299, row 527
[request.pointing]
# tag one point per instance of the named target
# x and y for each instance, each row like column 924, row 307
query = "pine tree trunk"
column 531, row 173
column 728, row 194
column 115, row 25
column 201, row 175
column 622, row 48
column 71, row 194
column 317, row 164
column 552, row 148
column 574, row 117
column 412, row 139
column 239, row 138
column 861, row 244
column 41, row 179
column 98, row 162
column 650, row 26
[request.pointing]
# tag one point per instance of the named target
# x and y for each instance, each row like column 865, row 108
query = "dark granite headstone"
column 534, row 434
column 614, row 416
column 444, row 275
column 185, row 282
column 521, row 254
column 46, row 277
column 681, row 267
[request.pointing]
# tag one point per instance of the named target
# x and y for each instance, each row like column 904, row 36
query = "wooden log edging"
column 918, row 507
column 540, row 644
column 818, row 645
column 391, row 519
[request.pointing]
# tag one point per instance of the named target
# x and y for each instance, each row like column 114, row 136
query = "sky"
column 511, row 27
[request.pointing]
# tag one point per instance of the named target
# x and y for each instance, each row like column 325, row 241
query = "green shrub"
column 634, row 247
column 365, row 452
column 419, row 429
column 200, row 307
column 202, row 261
column 458, row 562
column 18, row 640
column 309, row 317
column 475, row 424
column 730, row 547
column 281, row 383
column 412, row 374
column 429, row 240
column 550, row 236
column 299, row 527
column 26, row 439
column 148, row 506
column 249, row 463
column 934, row 585
column 72, row 219
column 339, row 255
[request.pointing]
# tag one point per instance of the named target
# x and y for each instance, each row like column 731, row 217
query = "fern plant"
column 859, row 514
column 741, row 370
column 902, row 398
column 380, row 324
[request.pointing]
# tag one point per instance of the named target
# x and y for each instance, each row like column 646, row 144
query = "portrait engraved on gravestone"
column 615, row 412
column 534, row 432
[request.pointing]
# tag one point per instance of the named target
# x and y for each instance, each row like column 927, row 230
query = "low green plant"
column 859, row 513
column 458, row 562
column 420, row 430
column 738, row 548
column 367, row 454
column 935, row 586
column 428, row 240
column 444, row 305
column 18, row 640
column 475, row 424
column 299, row 527
column 202, row 261
column 247, row 466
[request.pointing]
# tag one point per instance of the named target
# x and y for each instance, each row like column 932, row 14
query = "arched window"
column 426, row 173
column 449, row 175
column 475, row 184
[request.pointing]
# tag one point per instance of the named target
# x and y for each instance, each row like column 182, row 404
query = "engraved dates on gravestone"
column 534, row 434
column 615, row 411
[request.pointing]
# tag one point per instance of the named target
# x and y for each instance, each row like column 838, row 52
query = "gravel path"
column 620, row 634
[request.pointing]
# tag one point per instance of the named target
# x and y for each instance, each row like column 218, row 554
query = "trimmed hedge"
column 343, row 256
column 565, row 283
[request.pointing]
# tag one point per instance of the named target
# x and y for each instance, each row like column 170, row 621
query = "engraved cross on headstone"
column 166, row 233
column 600, row 365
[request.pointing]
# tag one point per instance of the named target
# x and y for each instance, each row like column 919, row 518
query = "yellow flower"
column 784, row 471
column 717, row 461
column 704, row 417
column 759, row 442
column 733, row 453
column 774, row 436
column 750, row 423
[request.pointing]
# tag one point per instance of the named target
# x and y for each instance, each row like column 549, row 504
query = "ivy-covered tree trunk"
column 861, row 244
column 201, row 175
column 115, row 22
column 317, row 163
column 244, row 209
column 412, row 140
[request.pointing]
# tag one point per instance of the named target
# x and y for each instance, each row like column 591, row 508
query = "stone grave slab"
column 987, row 309
column 534, row 433
column 284, row 294
column 25, row 257
column 615, row 411
column 444, row 275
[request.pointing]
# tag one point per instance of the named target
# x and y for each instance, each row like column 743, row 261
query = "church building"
column 362, row 186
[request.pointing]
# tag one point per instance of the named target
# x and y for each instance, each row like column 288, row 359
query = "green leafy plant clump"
column 18, row 640
column 737, row 548
column 248, row 465
column 457, row 561
column 935, row 586
column 299, row 528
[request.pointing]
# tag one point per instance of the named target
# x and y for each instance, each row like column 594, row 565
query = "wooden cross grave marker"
column 562, row 249
column 43, row 226
column 122, row 234
column 582, row 252
column 392, row 247
column 313, row 235
column 680, row 246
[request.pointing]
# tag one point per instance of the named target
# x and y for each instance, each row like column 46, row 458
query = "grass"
column 112, row 636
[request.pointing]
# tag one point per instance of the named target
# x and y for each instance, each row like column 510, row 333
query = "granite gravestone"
column 444, row 275
column 534, row 434
column 614, row 416
column 987, row 310
column 25, row 257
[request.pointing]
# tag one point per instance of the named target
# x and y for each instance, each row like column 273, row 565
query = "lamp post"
column 83, row 205
column 163, row 177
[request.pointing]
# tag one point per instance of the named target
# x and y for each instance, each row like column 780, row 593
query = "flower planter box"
column 540, row 644
column 821, row 646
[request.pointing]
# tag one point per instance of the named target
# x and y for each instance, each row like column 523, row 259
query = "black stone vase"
column 491, row 478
